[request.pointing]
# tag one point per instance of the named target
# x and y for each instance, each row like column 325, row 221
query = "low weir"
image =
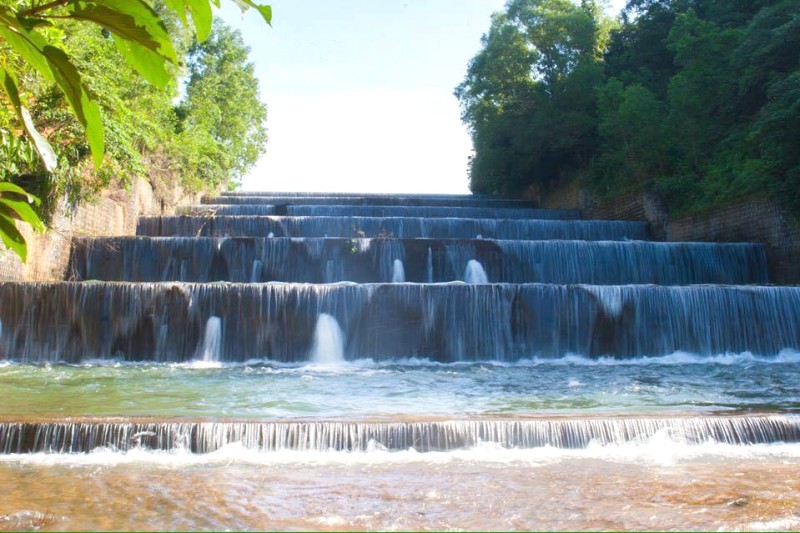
column 206, row 437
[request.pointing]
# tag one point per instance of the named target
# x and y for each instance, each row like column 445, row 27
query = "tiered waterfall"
column 332, row 279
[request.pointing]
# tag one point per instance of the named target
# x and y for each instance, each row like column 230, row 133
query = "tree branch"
column 35, row 10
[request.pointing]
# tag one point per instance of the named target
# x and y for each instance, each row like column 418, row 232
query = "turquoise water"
column 679, row 383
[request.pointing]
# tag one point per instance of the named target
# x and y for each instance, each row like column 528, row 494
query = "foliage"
column 221, row 120
column 15, row 205
column 64, row 55
column 524, row 95
column 696, row 99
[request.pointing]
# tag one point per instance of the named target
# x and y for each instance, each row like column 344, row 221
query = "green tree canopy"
column 695, row 99
column 524, row 96
column 65, row 89
column 221, row 117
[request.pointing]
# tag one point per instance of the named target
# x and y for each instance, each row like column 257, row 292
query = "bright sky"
column 360, row 92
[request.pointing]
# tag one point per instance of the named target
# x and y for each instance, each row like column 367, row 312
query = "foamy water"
column 409, row 387
column 482, row 489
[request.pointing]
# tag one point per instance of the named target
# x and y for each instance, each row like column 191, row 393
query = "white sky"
column 360, row 92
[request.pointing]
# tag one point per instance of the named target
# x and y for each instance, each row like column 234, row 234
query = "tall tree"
column 222, row 112
column 528, row 95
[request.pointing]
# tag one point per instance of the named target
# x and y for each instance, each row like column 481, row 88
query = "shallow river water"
column 658, row 481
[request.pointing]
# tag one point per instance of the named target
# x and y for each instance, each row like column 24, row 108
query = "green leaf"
column 20, row 210
column 8, row 187
column 146, row 62
column 46, row 153
column 12, row 238
column 132, row 20
column 40, row 144
column 178, row 7
column 55, row 65
column 87, row 111
column 202, row 17
column 94, row 129
column 265, row 10
column 28, row 44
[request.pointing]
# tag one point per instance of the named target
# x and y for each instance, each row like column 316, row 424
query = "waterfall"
column 211, row 349
column 328, row 346
column 255, row 275
column 423, row 436
column 506, row 321
column 474, row 274
column 406, row 227
column 429, row 267
column 398, row 272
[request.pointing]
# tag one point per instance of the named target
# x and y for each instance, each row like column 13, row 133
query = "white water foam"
column 786, row 356
column 789, row 523
column 474, row 274
column 328, row 346
column 660, row 450
column 211, row 349
column 398, row 272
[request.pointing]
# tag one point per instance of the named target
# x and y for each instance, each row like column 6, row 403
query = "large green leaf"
column 7, row 187
column 28, row 44
column 40, row 144
column 87, row 110
column 15, row 204
column 20, row 210
column 146, row 62
column 46, row 153
column 132, row 20
column 12, row 238
column 202, row 17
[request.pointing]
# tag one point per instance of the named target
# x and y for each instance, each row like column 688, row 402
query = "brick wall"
column 114, row 214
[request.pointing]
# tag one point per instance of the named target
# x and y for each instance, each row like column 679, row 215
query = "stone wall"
column 762, row 220
column 115, row 213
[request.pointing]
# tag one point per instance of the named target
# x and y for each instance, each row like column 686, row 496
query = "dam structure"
column 379, row 336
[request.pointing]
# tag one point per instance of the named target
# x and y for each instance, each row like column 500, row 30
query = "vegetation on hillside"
column 96, row 91
column 698, row 100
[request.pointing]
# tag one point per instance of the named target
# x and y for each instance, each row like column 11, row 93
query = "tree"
column 221, row 118
column 29, row 32
column 528, row 96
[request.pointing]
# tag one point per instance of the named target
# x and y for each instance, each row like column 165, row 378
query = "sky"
column 359, row 93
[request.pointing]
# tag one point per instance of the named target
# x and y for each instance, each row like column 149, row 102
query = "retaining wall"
column 761, row 219
column 114, row 213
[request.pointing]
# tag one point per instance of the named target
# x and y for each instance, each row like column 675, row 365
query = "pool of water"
column 404, row 388
column 653, row 483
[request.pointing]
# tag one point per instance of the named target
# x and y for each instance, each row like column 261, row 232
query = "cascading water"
column 474, row 273
column 398, row 272
column 576, row 350
column 255, row 274
column 328, row 346
column 429, row 266
column 211, row 349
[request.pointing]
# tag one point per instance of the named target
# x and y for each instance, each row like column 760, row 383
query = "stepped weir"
column 398, row 329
